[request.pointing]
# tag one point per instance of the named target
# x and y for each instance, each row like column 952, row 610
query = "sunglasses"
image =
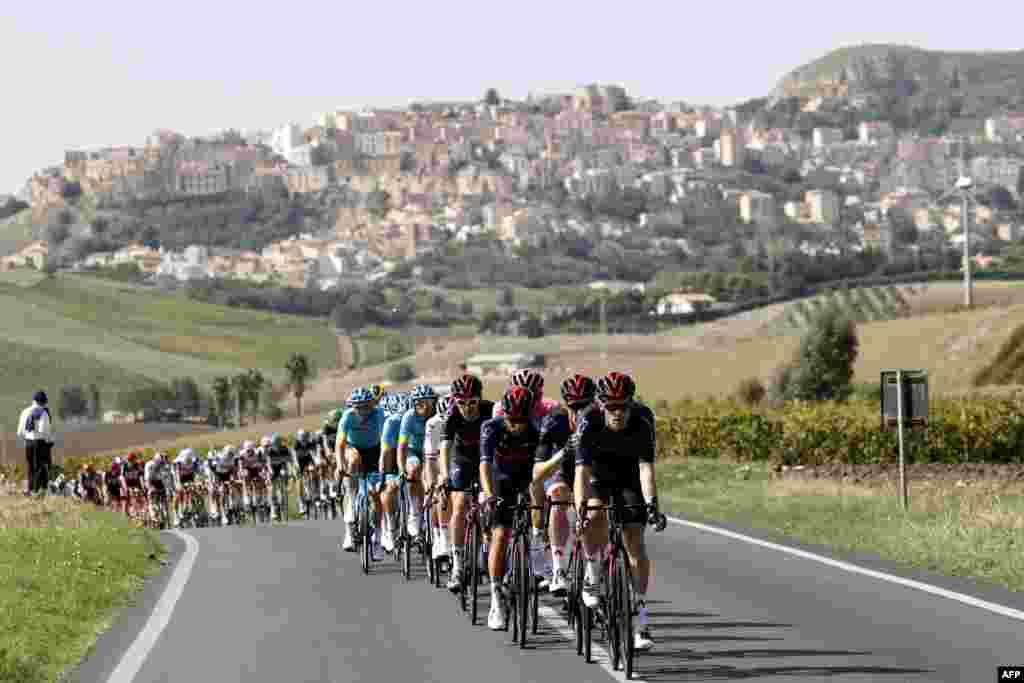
column 618, row 408
column 577, row 407
column 472, row 403
column 518, row 422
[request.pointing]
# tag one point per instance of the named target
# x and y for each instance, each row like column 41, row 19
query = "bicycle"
column 522, row 587
column 278, row 491
column 158, row 499
column 367, row 516
column 404, row 542
column 472, row 540
column 618, row 603
column 309, row 484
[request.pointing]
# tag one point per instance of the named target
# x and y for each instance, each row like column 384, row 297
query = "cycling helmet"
column 133, row 457
column 83, row 467
column 377, row 391
column 467, row 386
column 301, row 436
column 360, row 395
column 265, row 441
column 186, row 454
column 615, row 386
column 444, row 405
column 333, row 418
column 578, row 389
column 423, row 392
column 517, row 402
column 404, row 402
column 117, row 460
column 275, row 439
column 248, row 445
column 229, row 451
column 528, row 378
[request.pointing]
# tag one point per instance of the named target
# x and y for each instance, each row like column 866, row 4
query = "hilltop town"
column 359, row 193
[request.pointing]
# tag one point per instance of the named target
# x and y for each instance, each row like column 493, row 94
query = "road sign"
column 914, row 400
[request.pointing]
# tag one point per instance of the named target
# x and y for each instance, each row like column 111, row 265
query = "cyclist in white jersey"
column 185, row 468
column 432, row 475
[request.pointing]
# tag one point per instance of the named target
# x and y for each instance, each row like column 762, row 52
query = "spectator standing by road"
column 34, row 426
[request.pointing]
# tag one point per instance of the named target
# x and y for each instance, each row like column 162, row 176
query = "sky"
column 78, row 75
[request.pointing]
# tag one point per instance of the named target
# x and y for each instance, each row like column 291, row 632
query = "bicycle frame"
column 367, row 514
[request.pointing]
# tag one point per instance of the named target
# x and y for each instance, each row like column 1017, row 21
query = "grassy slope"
column 64, row 570
column 111, row 324
column 958, row 531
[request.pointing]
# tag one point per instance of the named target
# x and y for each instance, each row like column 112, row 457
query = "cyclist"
column 89, row 484
column 278, row 458
column 378, row 393
column 556, row 466
column 328, row 482
column 411, row 450
column 358, row 447
column 132, row 475
column 156, row 480
column 431, row 474
column 112, row 483
column 615, row 455
column 460, row 459
column 185, row 467
column 533, row 381
column 252, row 465
column 302, row 460
column 394, row 407
column 222, row 472
column 507, row 448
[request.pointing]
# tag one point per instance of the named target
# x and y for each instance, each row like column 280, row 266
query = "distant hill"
column 876, row 69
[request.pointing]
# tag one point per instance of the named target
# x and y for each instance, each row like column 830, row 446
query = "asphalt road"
column 284, row 604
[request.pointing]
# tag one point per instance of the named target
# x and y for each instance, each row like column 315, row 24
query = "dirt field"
column 84, row 440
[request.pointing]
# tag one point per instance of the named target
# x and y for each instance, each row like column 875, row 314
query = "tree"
column 823, row 367
column 531, row 327
column 254, row 383
column 73, row 402
column 240, row 387
column 95, row 407
column 299, row 372
column 186, row 395
column 401, row 372
column 221, row 389
column 492, row 98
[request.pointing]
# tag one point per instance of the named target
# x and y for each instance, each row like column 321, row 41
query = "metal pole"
column 899, row 423
column 967, row 251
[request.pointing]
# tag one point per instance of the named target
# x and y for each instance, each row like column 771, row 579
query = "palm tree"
column 299, row 372
column 221, row 395
column 240, row 385
column 254, row 383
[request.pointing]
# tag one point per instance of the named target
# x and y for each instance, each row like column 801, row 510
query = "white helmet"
column 265, row 442
column 159, row 456
column 187, row 454
column 229, row 451
column 301, row 435
column 248, row 445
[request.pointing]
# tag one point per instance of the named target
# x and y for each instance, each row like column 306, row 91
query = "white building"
column 680, row 303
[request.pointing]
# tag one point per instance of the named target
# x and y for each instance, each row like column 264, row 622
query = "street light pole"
column 965, row 224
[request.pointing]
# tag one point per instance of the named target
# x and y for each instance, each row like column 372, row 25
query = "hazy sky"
column 82, row 74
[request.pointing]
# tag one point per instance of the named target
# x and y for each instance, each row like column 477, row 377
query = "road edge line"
column 136, row 654
column 995, row 608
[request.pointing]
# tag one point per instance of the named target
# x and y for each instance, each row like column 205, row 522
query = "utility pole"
column 963, row 191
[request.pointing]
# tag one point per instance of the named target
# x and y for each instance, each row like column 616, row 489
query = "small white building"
column 502, row 363
column 681, row 303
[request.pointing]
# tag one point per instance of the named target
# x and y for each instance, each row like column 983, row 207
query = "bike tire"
column 366, row 542
column 511, row 587
column 474, row 575
column 524, row 588
column 611, row 612
column 625, row 619
column 587, row 623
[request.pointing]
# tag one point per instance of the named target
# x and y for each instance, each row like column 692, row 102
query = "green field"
column 864, row 304
column 93, row 327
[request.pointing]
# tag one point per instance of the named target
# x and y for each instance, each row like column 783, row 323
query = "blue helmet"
column 402, row 403
column 423, row 392
column 360, row 395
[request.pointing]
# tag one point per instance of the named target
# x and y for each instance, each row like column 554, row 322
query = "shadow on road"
column 693, row 673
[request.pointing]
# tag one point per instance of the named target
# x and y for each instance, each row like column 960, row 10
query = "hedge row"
column 979, row 429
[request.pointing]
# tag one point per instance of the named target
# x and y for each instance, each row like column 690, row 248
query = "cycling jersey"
column 155, row 471
column 462, row 435
column 187, row 467
column 432, row 436
column 252, row 462
column 511, row 458
column 223, row 468
column 359, row 432
column 510, row 455
column 133, row 475
column 413, row 431
column 391, row 431
column 556, row 435
column 538, row 412
column 304, row 455
column 112, row 478
column 278, row 459
column 89, row 480
column 615, row 458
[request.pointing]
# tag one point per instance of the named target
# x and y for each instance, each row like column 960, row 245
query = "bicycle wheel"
column 364, row 537
column 513, row 571
column 625, row 618
column 474, row 574
column 612, row 611
column 525, row 586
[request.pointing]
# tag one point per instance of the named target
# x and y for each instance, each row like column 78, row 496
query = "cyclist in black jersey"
column 615, row 461
column 460, row 459
column 507, row 448
column 555, row 466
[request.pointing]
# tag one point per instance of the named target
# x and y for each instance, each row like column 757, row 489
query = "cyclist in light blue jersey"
column 358, row 446
column 394, row 406
column 410, row 447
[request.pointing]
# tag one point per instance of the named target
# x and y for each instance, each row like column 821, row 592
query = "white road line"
column 909, row 583
column 598, row 653
column 136, row 654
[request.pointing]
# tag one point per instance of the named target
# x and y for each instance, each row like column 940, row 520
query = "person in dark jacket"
column 35, row 427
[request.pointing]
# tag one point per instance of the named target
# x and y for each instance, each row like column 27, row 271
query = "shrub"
column 751, row 391
column 401, row 372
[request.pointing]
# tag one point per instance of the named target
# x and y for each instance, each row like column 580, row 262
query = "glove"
column 654, row 517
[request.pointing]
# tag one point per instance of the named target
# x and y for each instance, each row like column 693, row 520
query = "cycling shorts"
column 157, row 485
column 188, row 478
column 253, row 473
column 114, row 489
column 305, row 462
column 463, row 472
column 222, row 477
column 278, row 471
column 508, row 490
column 607, row 492
column 369, row 458
column 133, row 483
